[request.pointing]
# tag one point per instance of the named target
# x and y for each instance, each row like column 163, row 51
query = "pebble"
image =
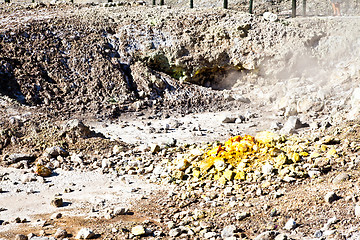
column 56, row 216
column 357, row 210
column 17, row 157
column 85, row 233
column 120, row 211
column 291, row 125
column 138, row 230
column 21, row 237
column 331, row 197
column 154, row 148
column 209, row 235
column 290, row 224
column 267, row 168
column 57, row 202
column 281, row 236
column 175, row 232
column 269, row 235
column 228, row 120
column 228, row 231
column 60, row 233
column 241, row 216
column 318, row 234
column 56, row 151
column 340, row 178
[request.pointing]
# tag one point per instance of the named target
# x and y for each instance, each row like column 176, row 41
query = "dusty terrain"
column 122, row 104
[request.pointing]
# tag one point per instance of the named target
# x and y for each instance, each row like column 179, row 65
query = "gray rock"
column 243, row 99
column 85, row 233
column 331, row 197
column 60, row 233
column 120, row 211
column 154, row 148
column 276, row 126
column 291, row 125
column 318, row 234
column 269, row 235
column 56, row 151
column 228, row 231
column 21, row 237
column 209, row 235
column 357, row 210
column 267, row 169
column 342, row 177
column 57, row 202
column 77, row 128
column 281, row 236
column 229, row 119
column 18, row 157
column 290, row 224
column 175, row 232
column 330, row 222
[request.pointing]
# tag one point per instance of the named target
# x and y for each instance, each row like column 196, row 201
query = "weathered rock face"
column 103, row 60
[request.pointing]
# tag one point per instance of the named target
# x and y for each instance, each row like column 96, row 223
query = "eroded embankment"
column 111, row 60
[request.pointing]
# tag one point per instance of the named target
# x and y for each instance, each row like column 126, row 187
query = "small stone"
column 290, row 224
column 60, row 233
column 274, row 213
column 314, row 173
column 291, row 125
column 42, row 171
column 229, row 120
column 228, row 191
column 241, row 216
column 154, row 148
column 267, row 168
column 175, row 232
column 357, row 210
column 120, row 211
column 229, row 175
column 138, row 230
column 182, row 164
column 342, row 177
column 209, row 235
column 318, row 234
column 56, row 216
column 330, row 222
column 57, row 202
column 269, row 235
column 56, row 151
column 281, row 236
column 17, row 157
column 228, row 231
column 85, row 233
column 331, row 197
column 21, row 237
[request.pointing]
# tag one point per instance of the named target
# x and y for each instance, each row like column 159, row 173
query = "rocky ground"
column 116, row 119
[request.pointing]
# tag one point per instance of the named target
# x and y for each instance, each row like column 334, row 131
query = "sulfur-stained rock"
column 182, row 164
column 219, row 165
column 42, row 171
column 229, row 175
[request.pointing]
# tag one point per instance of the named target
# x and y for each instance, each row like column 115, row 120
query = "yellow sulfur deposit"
column 240, row 156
